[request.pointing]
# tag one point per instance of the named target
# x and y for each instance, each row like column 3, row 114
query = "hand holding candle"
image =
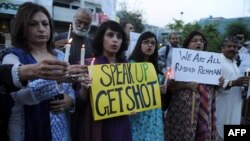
column 67, row 51
column 82, row 55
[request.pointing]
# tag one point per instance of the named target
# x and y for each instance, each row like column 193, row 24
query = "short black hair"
column 229, row 39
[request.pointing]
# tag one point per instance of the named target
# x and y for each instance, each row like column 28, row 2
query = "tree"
column 177, row 26
column 237, row 27
column 213, row 36
column 210, row 31
column 133, row 17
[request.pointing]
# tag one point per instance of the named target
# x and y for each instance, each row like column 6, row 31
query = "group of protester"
column 45, row 98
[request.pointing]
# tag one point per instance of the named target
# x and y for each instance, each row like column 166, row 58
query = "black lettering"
column 120, row 98
column 152, row 83
column 110, row 77
column 113, row 69
column 111, row 102
column 133, row 102
column 118, row 76
column 97, row 103
column 144, row 95
column 187, row 56
column 137, row 96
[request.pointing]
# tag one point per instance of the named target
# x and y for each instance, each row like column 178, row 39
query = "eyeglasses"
column 147, row 42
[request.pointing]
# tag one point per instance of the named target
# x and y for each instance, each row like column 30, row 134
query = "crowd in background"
column 45, row 97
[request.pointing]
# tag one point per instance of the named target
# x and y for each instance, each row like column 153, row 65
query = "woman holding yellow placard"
column 147, row 125
column 109, row 44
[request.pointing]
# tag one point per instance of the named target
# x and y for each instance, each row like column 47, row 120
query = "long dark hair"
column 189, row 37
column 137, row 54
column 98, row 39
column 20, row 29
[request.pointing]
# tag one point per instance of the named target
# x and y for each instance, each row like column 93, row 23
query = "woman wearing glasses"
column 147, row 125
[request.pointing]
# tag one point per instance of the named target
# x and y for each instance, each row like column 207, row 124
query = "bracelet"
column 15, row 76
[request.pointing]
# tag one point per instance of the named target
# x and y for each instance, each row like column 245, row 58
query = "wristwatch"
column 230, row 83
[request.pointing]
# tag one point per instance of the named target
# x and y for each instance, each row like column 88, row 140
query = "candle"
column 69, row 32
column 91, row 68
column 247, row 72
column 67, row 51
column 82, row 55
column 166, row 78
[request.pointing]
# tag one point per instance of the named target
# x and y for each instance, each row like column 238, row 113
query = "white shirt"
column 228, row 101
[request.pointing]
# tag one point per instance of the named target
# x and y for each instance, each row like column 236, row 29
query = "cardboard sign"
column 199, row 66
column 119, row 89
column 133, row 40
column 245, row 63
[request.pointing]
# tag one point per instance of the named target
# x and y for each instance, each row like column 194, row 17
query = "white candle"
column 67, row 51
column 69, row 32
column 248, row 71
column 91, row 68
column 82, row 55
column 166, row 78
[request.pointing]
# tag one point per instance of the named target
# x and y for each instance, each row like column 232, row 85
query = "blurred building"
column 62, row 12
column 161, row 33
column 222, row 23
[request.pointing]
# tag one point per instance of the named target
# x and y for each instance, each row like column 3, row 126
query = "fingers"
column 86, row 81
column 51, row 69
column 57, row 106
column 61, row 43
column 76, row 69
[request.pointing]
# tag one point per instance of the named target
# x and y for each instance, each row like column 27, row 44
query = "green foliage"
column 177, row 26
column 210, row 31
column 213, row 36
column 187, row 28
column 237, row 27
column 133, row 17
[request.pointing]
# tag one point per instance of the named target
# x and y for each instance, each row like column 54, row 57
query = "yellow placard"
column 119, row 89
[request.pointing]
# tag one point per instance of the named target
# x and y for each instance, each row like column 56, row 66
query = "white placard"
column 198, row 66
column 245, row 63
column 133, row 40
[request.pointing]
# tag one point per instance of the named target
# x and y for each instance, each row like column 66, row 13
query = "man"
column 128, row 27
column 81, row 26
column 241, row 38
column 229, row 99
column 165, row 53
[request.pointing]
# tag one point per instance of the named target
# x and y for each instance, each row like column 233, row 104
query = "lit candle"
column 91, row 68
column 166, row 78
column 82, row 55
column 67, row 51
column 69, row 32
column 248, row 71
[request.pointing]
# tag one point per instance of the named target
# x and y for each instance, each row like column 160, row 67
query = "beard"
column 81, row 31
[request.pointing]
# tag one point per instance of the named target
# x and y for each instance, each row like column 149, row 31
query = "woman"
column 109, row 45
column 37, row 115
column 179, row 125
column 147, row 125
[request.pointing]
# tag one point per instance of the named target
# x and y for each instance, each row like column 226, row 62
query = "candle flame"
column 93, row 59
column 83, row 46
column 69, row 25
column 70, row 40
